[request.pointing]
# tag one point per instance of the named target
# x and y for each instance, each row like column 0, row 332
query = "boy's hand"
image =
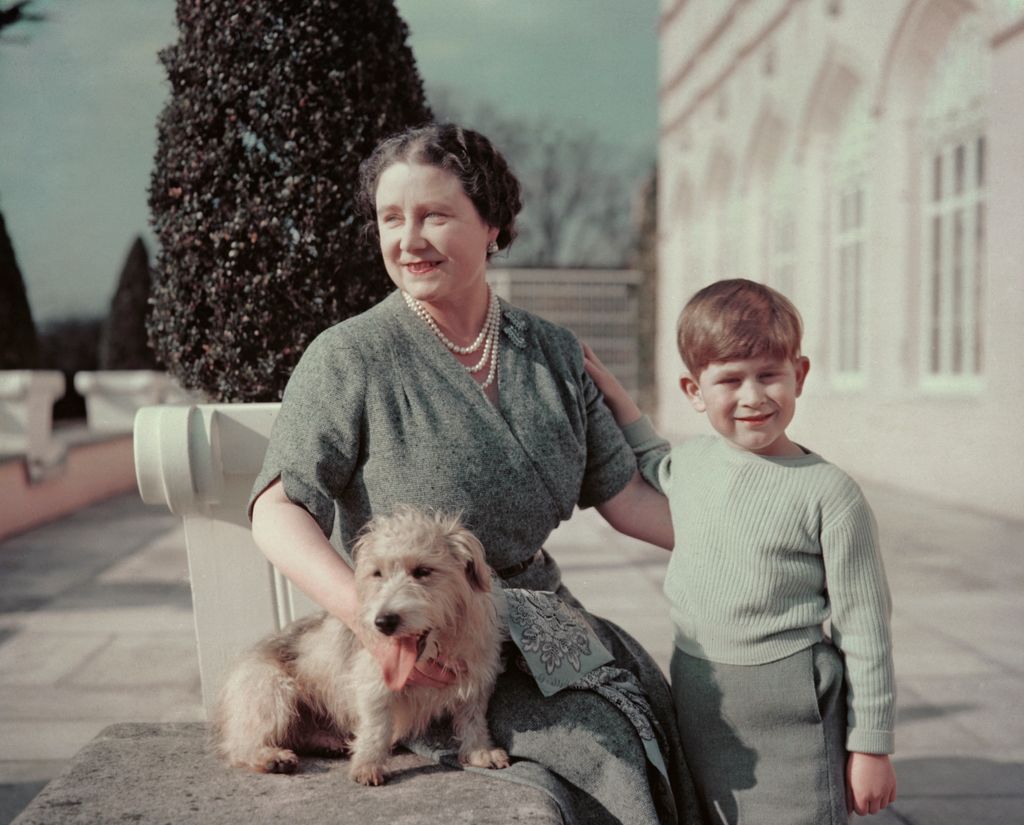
column 870, row 783
column 622, row 406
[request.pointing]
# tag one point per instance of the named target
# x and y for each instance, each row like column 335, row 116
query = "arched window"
column 713, row 230
column 696, row 253
column 765, row 199
column 848, row 233
column 780, row 232
column 954, row 213
column 731, row 218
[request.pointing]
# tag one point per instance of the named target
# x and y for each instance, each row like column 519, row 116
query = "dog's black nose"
column 387, row 623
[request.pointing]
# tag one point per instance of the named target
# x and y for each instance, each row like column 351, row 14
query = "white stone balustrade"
column 26, row 416
column 174, row 393
column 201, row 461
column 112, row 397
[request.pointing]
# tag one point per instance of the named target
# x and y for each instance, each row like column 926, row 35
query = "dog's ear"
column 467, row 548
column 363, row 538
column 370, row 534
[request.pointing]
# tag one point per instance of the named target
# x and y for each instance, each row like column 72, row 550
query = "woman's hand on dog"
column 424, row 672
column 428, row 673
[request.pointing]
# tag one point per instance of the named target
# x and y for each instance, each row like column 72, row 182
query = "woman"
column 445, row 397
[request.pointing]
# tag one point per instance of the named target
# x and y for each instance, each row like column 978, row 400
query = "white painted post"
column 112, row 397
column 201, row 462
column 26, row 417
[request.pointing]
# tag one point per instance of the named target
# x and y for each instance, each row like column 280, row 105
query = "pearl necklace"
column 488, row 337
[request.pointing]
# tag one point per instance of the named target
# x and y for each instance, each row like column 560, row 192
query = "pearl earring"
column 492, row 247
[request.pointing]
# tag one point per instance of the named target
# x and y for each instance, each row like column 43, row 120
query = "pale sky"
column 80, row 94
column 588, row 62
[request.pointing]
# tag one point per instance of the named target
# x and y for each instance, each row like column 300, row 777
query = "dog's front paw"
column 276, row 760
column 325, row 743
column 486, row 758
column 368, row 773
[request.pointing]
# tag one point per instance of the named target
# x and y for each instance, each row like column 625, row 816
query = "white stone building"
column 866, row 157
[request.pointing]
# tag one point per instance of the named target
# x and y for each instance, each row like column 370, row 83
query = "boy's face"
column 751, row 402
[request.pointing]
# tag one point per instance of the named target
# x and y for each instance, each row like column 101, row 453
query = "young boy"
column 779, row 723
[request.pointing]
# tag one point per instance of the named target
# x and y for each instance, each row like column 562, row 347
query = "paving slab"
column 54, row 703
column 982, row 621
column 958, row 791
column 42, row 657
column 923, row 651
column 984, row 713
column 95, row 628
column 140, row 662
column 45, row 739
column 160, row 559
column 127, row 619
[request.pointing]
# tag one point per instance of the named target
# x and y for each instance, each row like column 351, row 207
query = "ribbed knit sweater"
column 768, row 549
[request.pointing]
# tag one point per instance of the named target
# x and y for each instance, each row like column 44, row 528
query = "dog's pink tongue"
column 398, row 661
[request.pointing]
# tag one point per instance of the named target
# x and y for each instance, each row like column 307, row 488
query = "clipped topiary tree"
column 19, row 348
column 124, row 344
column 273, row 105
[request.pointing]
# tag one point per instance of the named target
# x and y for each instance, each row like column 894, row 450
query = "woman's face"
column 433, row 240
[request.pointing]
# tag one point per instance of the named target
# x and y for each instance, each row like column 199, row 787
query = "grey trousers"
column 765, row 743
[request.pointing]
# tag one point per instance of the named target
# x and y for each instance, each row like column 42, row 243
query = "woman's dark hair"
column 481, row 169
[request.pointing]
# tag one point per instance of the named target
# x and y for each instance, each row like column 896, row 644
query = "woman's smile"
column 421, row 267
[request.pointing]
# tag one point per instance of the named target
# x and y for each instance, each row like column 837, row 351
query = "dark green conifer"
column 124, row 344
column 273, row 105
column 19, row 348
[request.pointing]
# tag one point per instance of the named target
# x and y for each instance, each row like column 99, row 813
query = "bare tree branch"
column 15, row 13
column 578, row 191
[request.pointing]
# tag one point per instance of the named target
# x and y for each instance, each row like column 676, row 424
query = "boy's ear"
column 803, row 366
column 691, row 389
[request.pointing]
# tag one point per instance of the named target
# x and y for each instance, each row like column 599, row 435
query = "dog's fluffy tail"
column 256, row 710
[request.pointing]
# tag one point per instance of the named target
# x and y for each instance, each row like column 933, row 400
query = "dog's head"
column 416, row 572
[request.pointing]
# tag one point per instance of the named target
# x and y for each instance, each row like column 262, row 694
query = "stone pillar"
column 112, row 397
column 26, row 417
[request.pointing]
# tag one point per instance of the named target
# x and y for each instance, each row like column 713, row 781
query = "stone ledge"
column 165, row 773
column 94, row 469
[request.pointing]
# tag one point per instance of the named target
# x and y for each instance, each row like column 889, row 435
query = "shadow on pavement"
column 918, row 713
column 956, row 790
column 14, row 796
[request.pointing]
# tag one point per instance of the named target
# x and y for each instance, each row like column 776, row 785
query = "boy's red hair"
column 737, row 319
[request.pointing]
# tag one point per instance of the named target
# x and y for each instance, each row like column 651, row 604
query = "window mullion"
column 968, row 272
column 836, row 296
column 945, row 284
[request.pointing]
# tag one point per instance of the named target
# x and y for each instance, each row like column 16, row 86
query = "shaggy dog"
column 424, row 590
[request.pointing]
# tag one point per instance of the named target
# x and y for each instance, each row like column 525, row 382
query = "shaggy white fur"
column 314, row 688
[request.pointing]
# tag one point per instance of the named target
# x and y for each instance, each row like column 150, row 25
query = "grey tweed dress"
column 378, row 413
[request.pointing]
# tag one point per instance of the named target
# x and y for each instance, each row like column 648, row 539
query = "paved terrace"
column 95, row 628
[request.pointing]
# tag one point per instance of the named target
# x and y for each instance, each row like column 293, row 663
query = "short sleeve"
column 314, row 442
column 610, row 463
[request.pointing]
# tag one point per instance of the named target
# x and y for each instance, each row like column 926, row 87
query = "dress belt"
column 521, row 567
